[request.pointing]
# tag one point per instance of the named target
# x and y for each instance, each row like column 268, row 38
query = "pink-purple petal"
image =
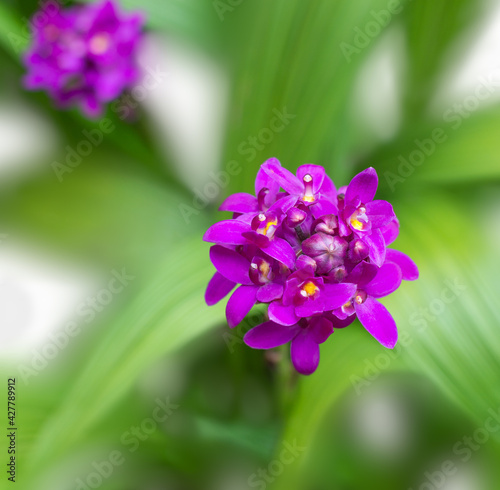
column 304, row 353
column 282, row 251
column 387, row 280
column 317, row 173
column 380, row 213
column 310, row 307
column 270, row 292
column 362, row 274
column 230, row 264
column 336, row 295
column 284, row 177
column 264, row 181
column 240, row 304
column 363, row 186
column 227, row 232
column 320, row 329
column 269, row 335
column 240, row 202
column 378, row 322
column 390, row 231
column 408, row 268
column 377, row 247
column 284, row 315
column 218, row 288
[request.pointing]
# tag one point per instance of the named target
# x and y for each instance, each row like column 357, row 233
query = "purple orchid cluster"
column 84, row 55
column 316, row 255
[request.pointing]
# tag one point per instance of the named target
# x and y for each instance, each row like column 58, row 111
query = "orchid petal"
column 387, row 280
column 269, row 292
column 240, row 304
column 320, row 329
column 408, row 268
column 336, row 295
column 380, row 213
column 390, row 231
column 227, row 232
column 218, row 288
column 264, row 181
column 282, row 251
column 316, row 172
column 362, row 274
column 269, row 335
column 304, row 353
column 284, row 315
column 377, row 247
column 230, row 264
column 240, row 202
column 289, row 182
column 363, row 186
column 378, row 322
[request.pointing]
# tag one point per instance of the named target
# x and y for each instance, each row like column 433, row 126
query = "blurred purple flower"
column 317, row 257
column 84, row 56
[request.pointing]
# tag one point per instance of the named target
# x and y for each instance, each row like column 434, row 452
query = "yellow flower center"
column 99, row 43
column 309, row 289
column 355, row 222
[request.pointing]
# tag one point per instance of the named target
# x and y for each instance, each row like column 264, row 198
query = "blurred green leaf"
column 291, row 60
column 341, row 366
column 450, row 312
column 163, row 318
column 431, row 29
column 102, row 210
column 12, row 32
column 456, row 349
column 463, row 150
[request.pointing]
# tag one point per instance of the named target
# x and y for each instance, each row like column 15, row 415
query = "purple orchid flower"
column 305, row 337
column 266, row 192
column 311, row 185
column 84, row 56
column 306, row 295
column 259, row 229
column 319, row 261
column 373, row 283
column 262, row 279
column 361, row 215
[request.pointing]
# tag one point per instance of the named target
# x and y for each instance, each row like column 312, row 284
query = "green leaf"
column 341, row 367
column 431, row 29
column 462, row 150
column 12, row 35
column 167, row 314
column 104, row 209
column 450, row 312
column 276, row 70
column 458, row 349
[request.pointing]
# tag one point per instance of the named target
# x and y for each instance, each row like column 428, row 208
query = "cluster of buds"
column 316, row 255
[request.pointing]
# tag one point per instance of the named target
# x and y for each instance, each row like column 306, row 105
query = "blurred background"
column 125, row 379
